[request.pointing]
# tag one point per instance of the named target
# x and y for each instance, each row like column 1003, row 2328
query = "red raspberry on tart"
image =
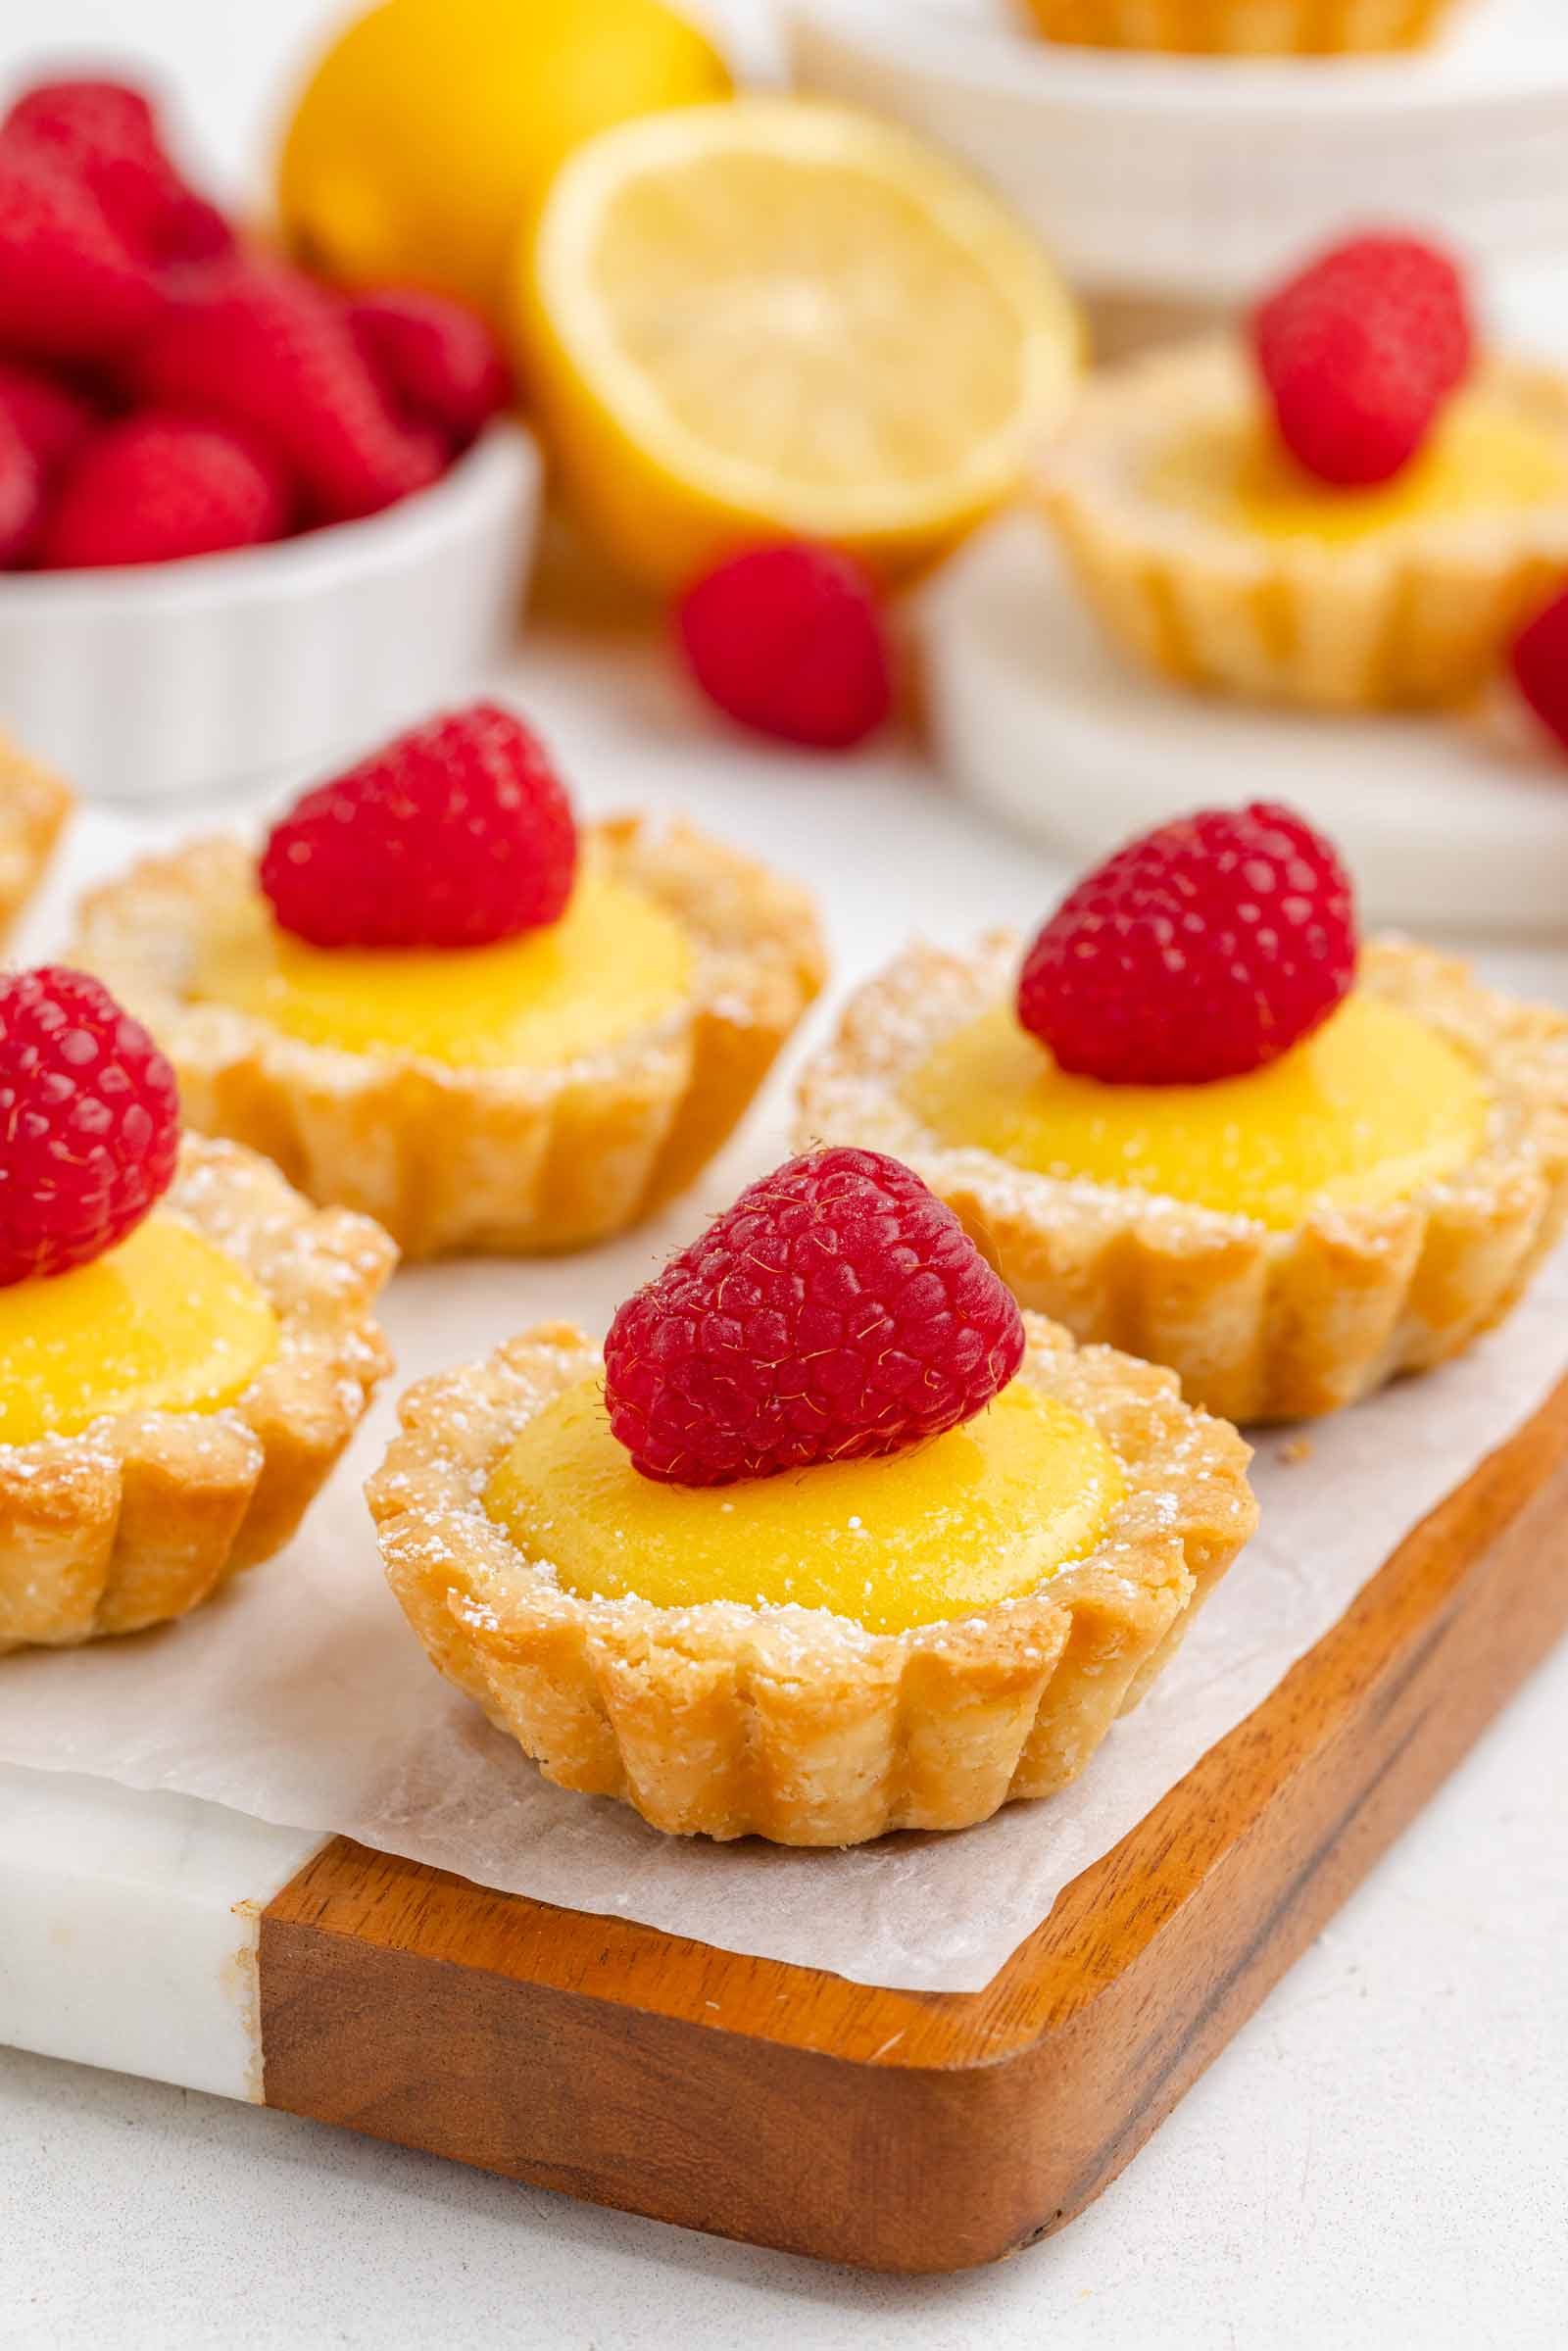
column 435, row 996
column 1198, row 1117
column 185, row 1346
column 1346, row 503
column 832, row 1539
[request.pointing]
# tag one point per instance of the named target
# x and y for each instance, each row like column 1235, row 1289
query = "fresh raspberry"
column 50, row 417
column 1360, row 351
column 90, row 1114
column 21, row 496
column 107, row 136
column 436, row 362
column 1203, row 950
column 268, row 350
column 456, row 834
column 836, row 1311
column 69, row 285
column 789, row 641
column 1538, row 660
column 152, row 489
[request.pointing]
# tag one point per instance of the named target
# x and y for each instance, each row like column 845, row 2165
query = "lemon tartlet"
column 1207, row 555
column 540, row 1093
column 1367, row 1205
column 1243, row 27
column 34, row 806
column 900, row 1642
column 169, row 1411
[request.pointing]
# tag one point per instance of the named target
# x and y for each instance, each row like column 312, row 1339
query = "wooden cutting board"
column 903, row 2131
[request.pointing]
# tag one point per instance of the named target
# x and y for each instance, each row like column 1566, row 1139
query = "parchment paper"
column 302, row 1697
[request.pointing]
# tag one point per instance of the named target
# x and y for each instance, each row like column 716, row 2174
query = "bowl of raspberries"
column 245, row 519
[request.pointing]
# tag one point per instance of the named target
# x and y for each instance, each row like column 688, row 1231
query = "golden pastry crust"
column 1242, row 28
column 1260, row 1325
column 723, row 1720
column 510, row 1161
column 144, row 1515
column 34, row 806
column 1411, row 617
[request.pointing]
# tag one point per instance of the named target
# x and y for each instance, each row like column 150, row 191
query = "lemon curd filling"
column 1371, row 1106
column 1481, row 459
column 164, row 1322
column 615, row 964
column 982, row 1514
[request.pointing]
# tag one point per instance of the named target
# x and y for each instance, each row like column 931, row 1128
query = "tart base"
column 726, row 1721
column 512, row 1162
column 1242, row 28
column 1410, row 618
column 34, row 806
column 1259, row 1325
column 145, row 1515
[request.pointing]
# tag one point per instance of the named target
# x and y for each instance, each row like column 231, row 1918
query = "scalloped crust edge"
column 1259, row 1325
column 1407, row 620
column 1242, row 28
column 450, row 1159
column 35, row 803
column 791, row 1724
column 145, row 1515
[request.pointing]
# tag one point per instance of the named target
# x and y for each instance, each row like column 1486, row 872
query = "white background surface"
column 1379, row 2157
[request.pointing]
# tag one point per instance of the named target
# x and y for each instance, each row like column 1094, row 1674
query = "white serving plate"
column 1036, row 717
column 1195, row 179
column 161, row 680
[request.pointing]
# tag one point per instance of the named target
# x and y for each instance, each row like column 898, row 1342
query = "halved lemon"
column 778, row 318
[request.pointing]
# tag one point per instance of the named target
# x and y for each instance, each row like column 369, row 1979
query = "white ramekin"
column 1194, row 179
column 168, row 679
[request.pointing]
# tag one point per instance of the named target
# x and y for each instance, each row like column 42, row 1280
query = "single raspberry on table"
column 1203, row 950
column 51, row 418
column 436, row 362
column 1360, row 351
column 90, row 1113
column 107, row 134
column 152, row 489
column 837, row 1311
column 69, row 285
column 22, row 497
column 789, row 641
column 265, row 349
column 455, row 834
column 1539, row 659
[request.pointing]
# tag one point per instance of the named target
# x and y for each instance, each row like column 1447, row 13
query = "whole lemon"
column 432, row 128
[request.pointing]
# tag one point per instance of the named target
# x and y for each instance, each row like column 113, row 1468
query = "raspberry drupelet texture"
column 456, row 834
column 1359, row 352
column 108, row 136
column 789, row 641
column 89, row 1112
column 838, row 1311
column 436, row 362
column 152, row 489
column 71, row 287
column 1204, row 950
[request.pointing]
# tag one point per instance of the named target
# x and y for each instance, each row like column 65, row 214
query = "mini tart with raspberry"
column 536, row 1090
column 34, row 806
column 1347, row 510
column 1287, row 1237
column 1243, row 27
column 891, row 1639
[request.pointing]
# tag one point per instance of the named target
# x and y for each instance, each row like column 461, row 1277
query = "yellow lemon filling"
column 1483, row 459
column 1367, row 1109
column 983, row 1514
column 166, row 1322
column 615, row 964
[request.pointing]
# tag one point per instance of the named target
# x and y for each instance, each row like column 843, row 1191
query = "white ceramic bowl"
column 161, row 680
column 1034, row 717
column 1195, row 179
